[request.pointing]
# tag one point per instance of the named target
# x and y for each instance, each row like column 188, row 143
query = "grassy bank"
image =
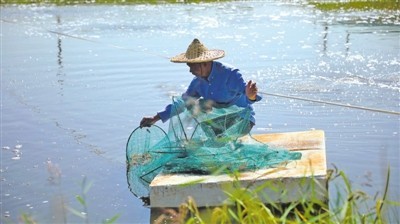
column 357, row 5
column 351, row 206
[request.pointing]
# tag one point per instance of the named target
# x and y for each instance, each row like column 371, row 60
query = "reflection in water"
column 325, row 39
column 60, row 72
column 347, row 43
column 59, row 56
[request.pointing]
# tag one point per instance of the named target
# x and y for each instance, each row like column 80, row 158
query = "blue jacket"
column 224, row 85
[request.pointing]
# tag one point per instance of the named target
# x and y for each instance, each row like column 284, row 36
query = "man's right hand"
column 149, row 121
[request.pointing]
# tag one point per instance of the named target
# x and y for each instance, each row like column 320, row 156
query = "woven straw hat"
column 197, row 53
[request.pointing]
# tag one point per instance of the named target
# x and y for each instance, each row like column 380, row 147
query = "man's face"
column 196, row 69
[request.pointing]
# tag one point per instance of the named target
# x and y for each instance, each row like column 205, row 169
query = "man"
column 215, row 82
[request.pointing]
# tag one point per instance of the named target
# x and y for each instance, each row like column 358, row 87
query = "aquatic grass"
column 245, row 206
column 85, row 185
column 356, row 5
column 27, row 219
column 187, row 213
column 82, row 200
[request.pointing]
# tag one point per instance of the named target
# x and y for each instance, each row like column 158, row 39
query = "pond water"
column 76, row 80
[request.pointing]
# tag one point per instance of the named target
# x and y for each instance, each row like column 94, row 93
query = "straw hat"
column 197, row 53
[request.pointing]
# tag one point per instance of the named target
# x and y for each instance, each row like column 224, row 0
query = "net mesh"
column 200, row 140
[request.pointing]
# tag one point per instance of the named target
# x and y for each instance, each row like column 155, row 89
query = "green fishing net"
column 202, row 137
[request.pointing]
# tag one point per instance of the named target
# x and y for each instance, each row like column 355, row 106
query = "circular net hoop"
column 147, row 149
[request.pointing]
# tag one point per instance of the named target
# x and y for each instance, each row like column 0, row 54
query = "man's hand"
column 149, row 121
column 251, row 90
column 206, row 105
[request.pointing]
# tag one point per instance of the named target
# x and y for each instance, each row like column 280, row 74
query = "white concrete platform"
column 301, row 179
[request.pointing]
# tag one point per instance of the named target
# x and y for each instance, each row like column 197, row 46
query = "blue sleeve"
column 176, row 107
column 178, row 104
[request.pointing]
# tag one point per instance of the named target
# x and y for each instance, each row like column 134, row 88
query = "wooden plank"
column 294, row 141
column 298, row 178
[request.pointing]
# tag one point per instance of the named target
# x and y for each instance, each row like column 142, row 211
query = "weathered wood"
column 301, row 179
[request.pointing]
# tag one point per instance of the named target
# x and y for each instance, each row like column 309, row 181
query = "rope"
column 332, row 103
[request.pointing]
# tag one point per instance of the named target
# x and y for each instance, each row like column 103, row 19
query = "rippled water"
column 76, row 80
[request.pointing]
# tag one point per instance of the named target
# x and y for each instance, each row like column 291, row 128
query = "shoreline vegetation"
column 324, row 5
column 351, row 206
column 356, row 5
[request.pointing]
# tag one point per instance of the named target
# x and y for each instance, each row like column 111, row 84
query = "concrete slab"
column 301, row 179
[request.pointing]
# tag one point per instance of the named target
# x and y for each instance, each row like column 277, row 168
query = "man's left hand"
column 251, row 90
